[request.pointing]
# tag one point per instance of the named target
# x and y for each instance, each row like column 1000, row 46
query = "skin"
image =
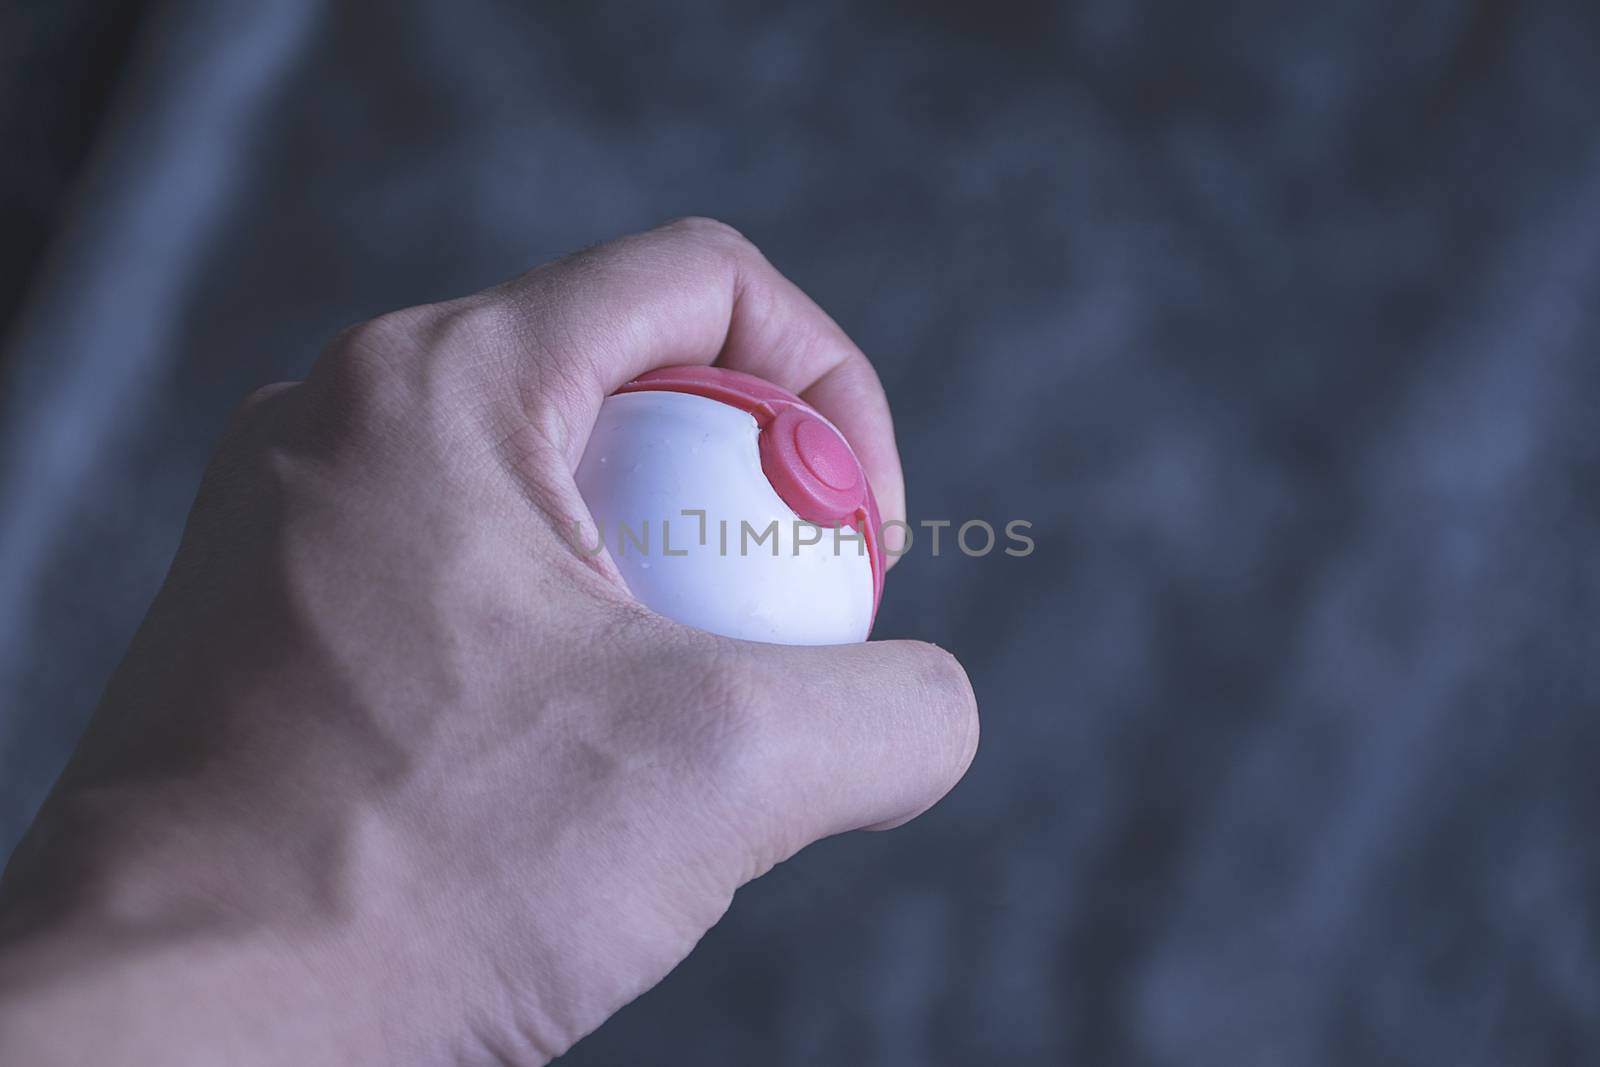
column 391, row 774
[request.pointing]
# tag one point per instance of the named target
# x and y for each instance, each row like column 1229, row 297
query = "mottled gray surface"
column 1282, row 325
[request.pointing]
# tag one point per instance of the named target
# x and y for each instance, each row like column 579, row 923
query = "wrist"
column 117, row 946
column 78, row 992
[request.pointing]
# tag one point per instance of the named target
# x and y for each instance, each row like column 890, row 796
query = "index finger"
column 693, row 291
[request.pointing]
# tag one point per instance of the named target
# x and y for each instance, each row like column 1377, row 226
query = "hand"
column 393, row 775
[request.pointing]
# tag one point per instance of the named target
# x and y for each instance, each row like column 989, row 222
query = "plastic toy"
column 730, row 504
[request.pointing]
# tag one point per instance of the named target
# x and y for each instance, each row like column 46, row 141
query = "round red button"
column 825, row 454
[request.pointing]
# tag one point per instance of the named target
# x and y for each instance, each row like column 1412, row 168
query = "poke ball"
column 730, row 504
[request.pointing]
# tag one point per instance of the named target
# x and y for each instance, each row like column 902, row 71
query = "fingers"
column 693, row 291
column 851, row 396
column 860, row 736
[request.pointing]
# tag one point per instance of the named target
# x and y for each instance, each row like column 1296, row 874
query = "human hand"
column 390, row 773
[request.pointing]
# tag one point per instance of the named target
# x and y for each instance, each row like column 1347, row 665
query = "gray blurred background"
column 1280, row 321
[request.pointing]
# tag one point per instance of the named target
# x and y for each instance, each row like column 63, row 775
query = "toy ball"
column 730, row 504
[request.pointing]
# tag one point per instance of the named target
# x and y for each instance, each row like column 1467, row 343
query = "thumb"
column 861, row 736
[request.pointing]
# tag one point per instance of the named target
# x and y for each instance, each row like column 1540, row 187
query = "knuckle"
column 405, row 363
column 476, row 328
column 731, row 696
column 711, row 231
column 701, row 702
column 257, row 407
column 390, row 334
column 729, row 734
column 258, row 431
column 949, row 689
column 258, row 415
column 360, row 371
column 259, row 397
column 361, row 388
